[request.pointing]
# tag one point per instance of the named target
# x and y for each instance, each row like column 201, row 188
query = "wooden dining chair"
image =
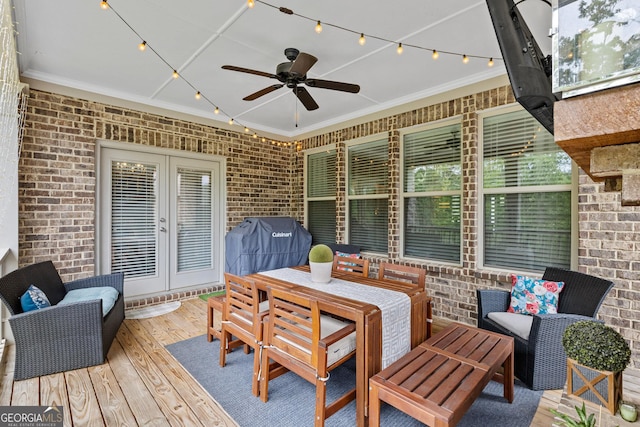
column 353, row 265
column 402, row 273
column 298, row 338
column 242, row 318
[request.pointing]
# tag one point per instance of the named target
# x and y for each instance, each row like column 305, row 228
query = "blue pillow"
column 107, row 294
column 34, row 299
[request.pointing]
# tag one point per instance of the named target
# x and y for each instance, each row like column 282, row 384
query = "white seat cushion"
column 264, row 306
column 518, row 324
column 341, row 348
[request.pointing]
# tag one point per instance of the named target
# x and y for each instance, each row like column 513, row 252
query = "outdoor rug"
column 292, row 399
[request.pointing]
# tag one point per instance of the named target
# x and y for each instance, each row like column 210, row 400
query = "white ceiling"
column 76, row 44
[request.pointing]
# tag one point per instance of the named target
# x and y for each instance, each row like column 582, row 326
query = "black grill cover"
column 266, row 243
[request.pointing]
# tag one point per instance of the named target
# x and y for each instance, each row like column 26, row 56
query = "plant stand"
column 600, row 387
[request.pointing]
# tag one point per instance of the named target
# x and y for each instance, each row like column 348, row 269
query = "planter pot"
column 600, row 387
column 320, row 271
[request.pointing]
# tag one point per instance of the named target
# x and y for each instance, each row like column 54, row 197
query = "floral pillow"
column 34, row 299
column 534, row 296
column 342, row 265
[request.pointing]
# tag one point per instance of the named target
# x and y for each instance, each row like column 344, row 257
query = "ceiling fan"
column 293, row 73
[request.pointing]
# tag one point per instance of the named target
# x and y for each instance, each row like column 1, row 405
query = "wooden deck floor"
column 142, row 384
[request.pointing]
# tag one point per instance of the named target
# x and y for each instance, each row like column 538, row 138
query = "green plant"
column 582, row 421
column 321, row 253
column 597, row 346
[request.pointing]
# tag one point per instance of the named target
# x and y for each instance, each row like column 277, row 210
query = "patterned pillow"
column 344, row 265
column 534, row 296
column 34, row 299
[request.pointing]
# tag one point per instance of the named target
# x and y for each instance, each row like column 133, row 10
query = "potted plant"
column 597, row 355
column 584, row 419
column 321, row 262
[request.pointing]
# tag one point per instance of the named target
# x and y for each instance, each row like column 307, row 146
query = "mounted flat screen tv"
column 528, row 69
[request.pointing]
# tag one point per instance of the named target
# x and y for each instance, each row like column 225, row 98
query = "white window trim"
column 347, row 197
column 573, row 187
column 420, row 128
column 306, row 198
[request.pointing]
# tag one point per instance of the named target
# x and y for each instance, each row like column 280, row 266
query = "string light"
column 246, row 129
column 198, row 95
column 142, row 46
column 104, row 5
column 319, row 27
column 216, row 111
column 362, row 40
column 435, row 54
column 250, row 4
column 255, row 135
column 400, row 49
column 465, row 59
column 175, row 74
column 490, row 63
column 231, row 121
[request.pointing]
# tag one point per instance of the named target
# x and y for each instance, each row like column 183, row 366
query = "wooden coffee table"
column 438, row 381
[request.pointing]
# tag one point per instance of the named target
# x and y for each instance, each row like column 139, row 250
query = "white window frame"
column 308, row 199
column 348, row 198
column 404, row 195
column 572, row 187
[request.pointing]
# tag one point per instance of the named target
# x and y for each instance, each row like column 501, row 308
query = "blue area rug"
column 292, row 399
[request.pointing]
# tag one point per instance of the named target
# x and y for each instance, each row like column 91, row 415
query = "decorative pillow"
column 34, row 299
column 344, row 265
column 107, row 294
column 534, row 296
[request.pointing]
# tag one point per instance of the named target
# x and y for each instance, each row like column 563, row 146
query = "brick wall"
column 609, row 235
column 57, row 182
column 57, row 196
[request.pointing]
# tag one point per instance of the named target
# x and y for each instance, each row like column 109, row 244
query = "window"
column 368, row 187
column 432, row 193
column 527, row 195
column 321, row 196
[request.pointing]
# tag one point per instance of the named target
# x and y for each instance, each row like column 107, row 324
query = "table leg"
column 508, row 377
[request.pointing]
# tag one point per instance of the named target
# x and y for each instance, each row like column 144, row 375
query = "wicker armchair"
column 60, row 337
column 540, row 360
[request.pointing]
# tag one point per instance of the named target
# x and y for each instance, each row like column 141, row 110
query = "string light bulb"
column 255, row 136
column 104, row 5
column 465, row 59
column 231, row 121
column 319, row 27
column 435, row 54
column 250, row 4
column 175, row 74
column 198, row 95
column 490, row 63
column 142, row 46
column 362, row 40
column 246, row 129
column 216, row 111
column 400, row 49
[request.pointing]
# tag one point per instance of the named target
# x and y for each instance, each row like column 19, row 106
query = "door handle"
column 164, row 230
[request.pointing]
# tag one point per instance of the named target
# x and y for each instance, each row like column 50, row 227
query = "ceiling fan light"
column 319, row 27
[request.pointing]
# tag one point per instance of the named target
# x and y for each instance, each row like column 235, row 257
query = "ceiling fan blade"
column 302, row 64
column 328, row 84
column 249, row 71
column 262, row 92
column 305, row 97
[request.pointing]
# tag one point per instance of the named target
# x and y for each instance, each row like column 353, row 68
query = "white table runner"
column 395, row 307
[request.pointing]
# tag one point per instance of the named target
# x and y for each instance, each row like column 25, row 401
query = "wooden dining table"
column 368, row 321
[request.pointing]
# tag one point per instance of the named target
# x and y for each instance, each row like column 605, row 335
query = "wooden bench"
column 438, row 381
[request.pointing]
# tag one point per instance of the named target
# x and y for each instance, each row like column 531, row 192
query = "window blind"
column 195, row 237
column 527, row 195
column 322, row 221
column 432, row 183
column 321, row 196
column 368, row 188
column 134, row 219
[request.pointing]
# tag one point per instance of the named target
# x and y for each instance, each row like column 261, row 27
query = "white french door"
column 160, row 220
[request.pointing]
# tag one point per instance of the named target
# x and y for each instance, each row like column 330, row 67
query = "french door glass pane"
column 527, row 230
column 322, row 221
column 194, row 219
column 134, row 215
column 432, row 227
